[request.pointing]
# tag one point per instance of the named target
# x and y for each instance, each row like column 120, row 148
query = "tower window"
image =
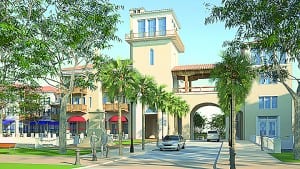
column 141, row 28
column 151, row 27
column 162, row 26
column 151, row 57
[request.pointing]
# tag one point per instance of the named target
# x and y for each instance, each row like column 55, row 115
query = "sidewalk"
column 249, row 155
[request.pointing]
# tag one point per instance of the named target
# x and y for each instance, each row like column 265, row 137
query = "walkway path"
column 249, row 155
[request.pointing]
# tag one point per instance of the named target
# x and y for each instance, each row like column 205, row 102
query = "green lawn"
column 54, row 151
column 285, row 157
column 43, row 151
column 34, row 166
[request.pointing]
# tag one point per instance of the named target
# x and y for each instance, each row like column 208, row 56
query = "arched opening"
column 207, row 111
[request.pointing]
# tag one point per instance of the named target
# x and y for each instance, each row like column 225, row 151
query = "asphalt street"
column 195, row 155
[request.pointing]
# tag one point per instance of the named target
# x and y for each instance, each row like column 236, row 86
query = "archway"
column 195, row 110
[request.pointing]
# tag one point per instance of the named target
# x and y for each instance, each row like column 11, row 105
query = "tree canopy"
column 271, row 25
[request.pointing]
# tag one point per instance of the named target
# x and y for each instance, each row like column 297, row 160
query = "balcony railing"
column 113, row 107
column 77, row 108
column 195, row 89
column 172, row 34
column 76, row 90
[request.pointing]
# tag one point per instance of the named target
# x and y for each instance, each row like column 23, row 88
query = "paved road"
column 195, row 155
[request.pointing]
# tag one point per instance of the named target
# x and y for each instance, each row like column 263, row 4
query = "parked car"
column 172, row 142
column 213, row 135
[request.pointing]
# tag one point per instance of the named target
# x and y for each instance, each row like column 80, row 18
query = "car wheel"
column 208, row 140
column 218, row 140
column 183, row 146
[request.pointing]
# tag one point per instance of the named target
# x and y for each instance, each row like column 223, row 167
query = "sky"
column 203, row 43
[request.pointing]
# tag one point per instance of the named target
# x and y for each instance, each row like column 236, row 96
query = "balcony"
column 168, row 34
column 113, row 107
column 76, row 108
column 204, row 89
column 76, row 90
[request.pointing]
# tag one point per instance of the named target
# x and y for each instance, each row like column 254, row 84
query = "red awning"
column 76, row 119
column 116, row 117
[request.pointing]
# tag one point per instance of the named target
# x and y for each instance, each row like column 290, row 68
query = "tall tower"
column 155, row 43
column 154, row 48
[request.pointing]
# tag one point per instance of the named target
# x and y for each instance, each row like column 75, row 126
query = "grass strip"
column 35, row 166
column 285, row 157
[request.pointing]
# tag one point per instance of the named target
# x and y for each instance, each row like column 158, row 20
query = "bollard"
column 77, row 160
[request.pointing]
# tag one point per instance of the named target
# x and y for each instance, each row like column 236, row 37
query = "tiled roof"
column 48, row 89
column 193, row 67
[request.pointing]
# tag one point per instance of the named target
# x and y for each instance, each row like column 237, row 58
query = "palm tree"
column 157, row 104
column 233, row 77
column 116, row 77
column 146, row 86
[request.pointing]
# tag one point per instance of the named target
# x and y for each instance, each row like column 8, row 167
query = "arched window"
column 151, row 57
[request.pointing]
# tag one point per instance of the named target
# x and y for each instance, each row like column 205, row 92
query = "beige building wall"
column 283, row 111
column 193, row 100
column 165, row 56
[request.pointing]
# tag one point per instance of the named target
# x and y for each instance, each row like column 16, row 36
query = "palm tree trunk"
column 232, row 135
column 168, row 124
column 143, row 127
column 120, row 126
column 157, row 130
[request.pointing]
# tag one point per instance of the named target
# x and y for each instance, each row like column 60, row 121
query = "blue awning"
column 44, row 122
column 7, row 121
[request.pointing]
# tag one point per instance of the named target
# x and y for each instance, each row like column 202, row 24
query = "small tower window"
column 151, row 57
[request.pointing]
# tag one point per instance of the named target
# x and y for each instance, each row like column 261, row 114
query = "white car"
column 213, row 135
column 172, row 142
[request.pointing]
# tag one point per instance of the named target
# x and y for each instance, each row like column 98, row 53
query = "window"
column 267, row 126
column 76, row 100
column 90, row 102
column 267, row 57
column 255, row 57
column 282, row 57
column 151, row 27
column 268, row 102
column 105, row 99
column 45, row 101
column 162, row 26
column 265, row 79
column 141, row 28
column 151, row 57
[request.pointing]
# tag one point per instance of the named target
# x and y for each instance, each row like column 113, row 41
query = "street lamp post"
column 131, row 127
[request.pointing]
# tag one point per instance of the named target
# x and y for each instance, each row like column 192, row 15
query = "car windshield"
column 212, row 132
column 171, row 138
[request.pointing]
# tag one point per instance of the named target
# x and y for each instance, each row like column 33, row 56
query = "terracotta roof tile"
column 193, row 67
column 48, row 89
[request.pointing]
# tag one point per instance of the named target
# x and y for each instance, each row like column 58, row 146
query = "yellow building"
column 155, row 45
